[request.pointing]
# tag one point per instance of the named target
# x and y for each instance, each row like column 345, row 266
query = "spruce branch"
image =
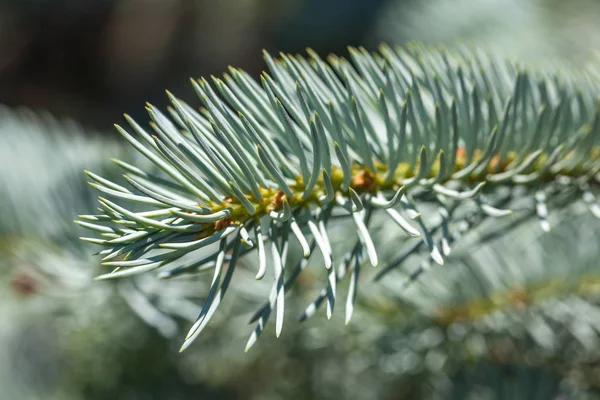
column 397, row 131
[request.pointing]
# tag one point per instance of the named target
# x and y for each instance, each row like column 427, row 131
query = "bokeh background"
column 69, row 69
column 93, row 60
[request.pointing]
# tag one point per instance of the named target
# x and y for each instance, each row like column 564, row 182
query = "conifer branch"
column 395, row 130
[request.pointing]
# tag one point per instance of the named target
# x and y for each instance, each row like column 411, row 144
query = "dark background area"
column 94, row 60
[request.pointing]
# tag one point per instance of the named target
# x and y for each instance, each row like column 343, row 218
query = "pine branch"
column 396, row 131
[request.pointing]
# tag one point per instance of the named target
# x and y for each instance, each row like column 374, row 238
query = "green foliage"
column 440, row 141
column 41, row 158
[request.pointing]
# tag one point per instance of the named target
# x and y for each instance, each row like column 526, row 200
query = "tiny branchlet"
column 264, row 164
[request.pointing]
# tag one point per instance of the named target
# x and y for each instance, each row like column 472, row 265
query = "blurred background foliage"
column 516, row 319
